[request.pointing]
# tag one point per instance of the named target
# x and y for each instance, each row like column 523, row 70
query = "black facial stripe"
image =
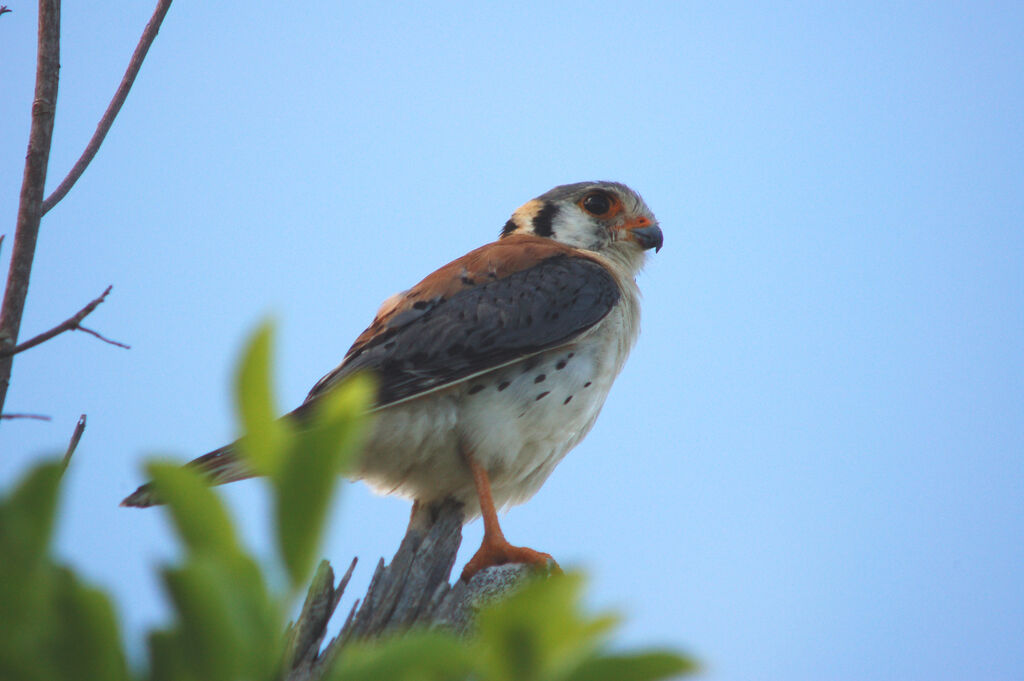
column 508, row 228
column 543, row 219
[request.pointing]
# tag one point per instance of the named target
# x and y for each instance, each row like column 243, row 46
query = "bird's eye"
column 597, row 204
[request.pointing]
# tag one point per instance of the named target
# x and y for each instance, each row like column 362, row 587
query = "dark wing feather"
column 482, row 327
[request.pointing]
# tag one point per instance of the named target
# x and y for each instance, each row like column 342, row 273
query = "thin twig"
column 103, row 338
column 70, row 324
column 103, row 127
column 75, row 437
column 37, row 417
column 4, row 10
column 44, row 106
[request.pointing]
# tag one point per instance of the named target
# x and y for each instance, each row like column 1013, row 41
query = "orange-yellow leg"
column 495, row 549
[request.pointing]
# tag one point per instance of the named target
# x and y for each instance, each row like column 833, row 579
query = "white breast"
column 519, row 421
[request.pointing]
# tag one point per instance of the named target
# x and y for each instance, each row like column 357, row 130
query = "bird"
column 493, row 367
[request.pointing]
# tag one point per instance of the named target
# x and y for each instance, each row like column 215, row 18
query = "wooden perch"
column 412, row 589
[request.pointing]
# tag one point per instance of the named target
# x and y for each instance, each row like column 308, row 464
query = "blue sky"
column 812, row 466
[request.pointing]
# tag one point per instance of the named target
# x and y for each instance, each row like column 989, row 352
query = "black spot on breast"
column 543, row 395
column 475, row 389
column 567, row 399
column 540, row 378
column 571, row 355
column 587, row 384
column 561, row 364
column 502, row 385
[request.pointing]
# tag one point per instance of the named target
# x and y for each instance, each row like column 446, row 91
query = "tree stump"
column 411, row 590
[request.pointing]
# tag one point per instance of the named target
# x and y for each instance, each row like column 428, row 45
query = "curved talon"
column 493, row 553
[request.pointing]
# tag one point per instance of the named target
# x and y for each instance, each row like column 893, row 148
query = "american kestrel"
column 496, row 365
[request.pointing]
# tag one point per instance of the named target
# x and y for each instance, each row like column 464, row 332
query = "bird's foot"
column 500, row 552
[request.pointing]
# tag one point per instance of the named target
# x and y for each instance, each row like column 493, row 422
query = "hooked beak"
column 647, row 234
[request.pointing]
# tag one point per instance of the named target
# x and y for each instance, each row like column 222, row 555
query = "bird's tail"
column 219, row 466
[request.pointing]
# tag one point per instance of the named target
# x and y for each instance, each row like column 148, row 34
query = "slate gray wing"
column 481, row 328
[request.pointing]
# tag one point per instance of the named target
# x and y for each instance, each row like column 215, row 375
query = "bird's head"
column 605, row 217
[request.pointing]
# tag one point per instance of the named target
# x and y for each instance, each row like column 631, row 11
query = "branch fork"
column 73, row 323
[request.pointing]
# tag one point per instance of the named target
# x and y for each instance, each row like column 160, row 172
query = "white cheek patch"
column 574, row 228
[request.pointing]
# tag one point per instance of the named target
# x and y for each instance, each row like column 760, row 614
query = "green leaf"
column 228, row 626
column 85, row 644
column 265, row 437
column 229, row 623
column 538, row 632
column 309, row 473
column 168, row 656
column 26, row 516
column 26, row 571
column 210, row 644
column 648, row 666
column 59, row 627
column 414, row 656
column 199, row 516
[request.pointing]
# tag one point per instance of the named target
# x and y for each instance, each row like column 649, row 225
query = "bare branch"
column 103, row 338
column 44, row 106
column 37, row 417
column 70, row 324
column 3, row 9
column 75, row 437
column 148, row 35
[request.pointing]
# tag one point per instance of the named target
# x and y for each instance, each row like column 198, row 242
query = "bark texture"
column 412, row 590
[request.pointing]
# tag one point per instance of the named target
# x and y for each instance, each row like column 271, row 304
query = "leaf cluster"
column 227, row 620
column 539, row 633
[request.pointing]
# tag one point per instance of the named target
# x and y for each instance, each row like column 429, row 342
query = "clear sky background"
column 812, row 466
